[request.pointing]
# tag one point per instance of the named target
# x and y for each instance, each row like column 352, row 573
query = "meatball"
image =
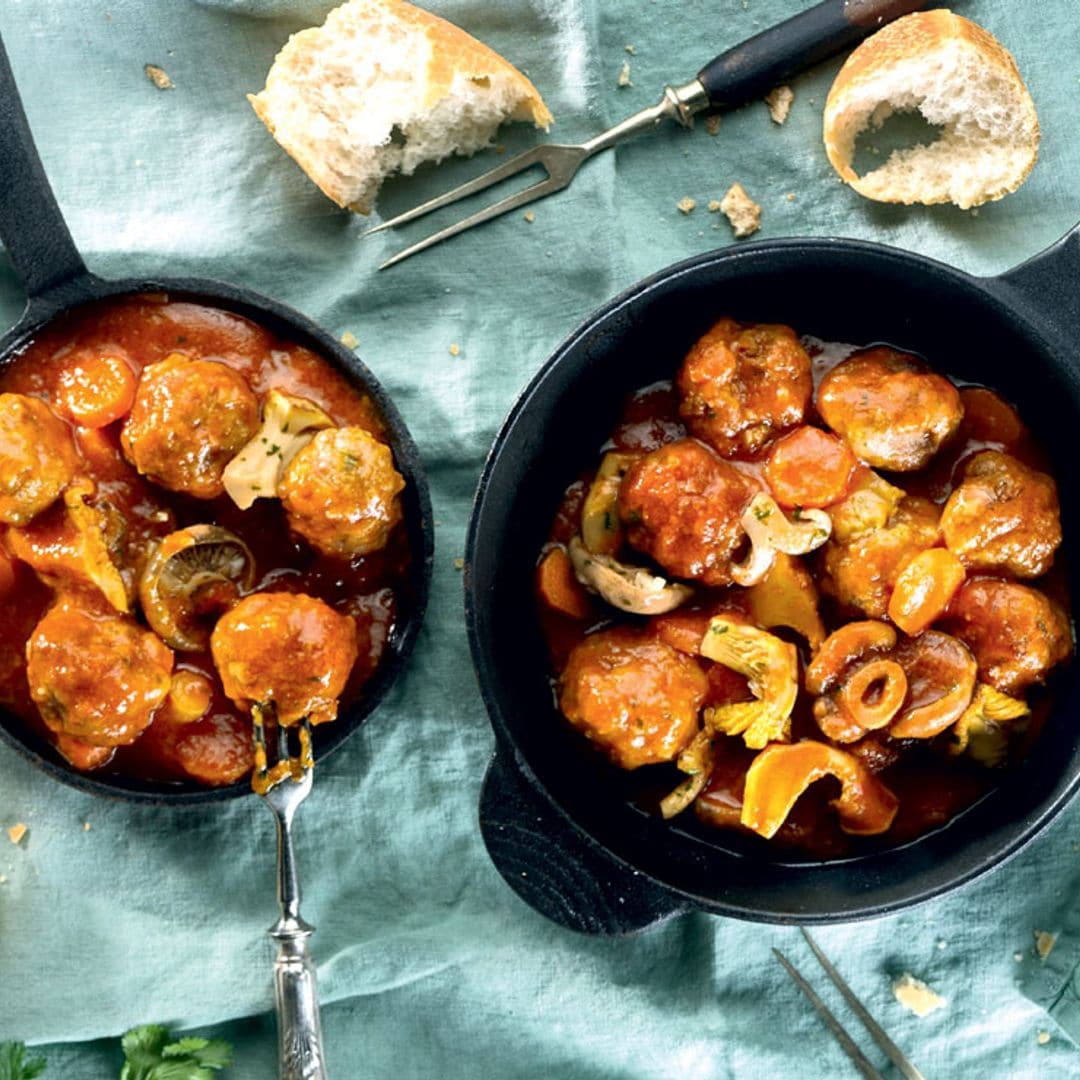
column 682, row 506
column 1003, row 516
column 636, row 697
column 892, row 409
column 341, row 492
column 1016, row 633
column 96, row 676
column 287, row 650
column 190, row 418
column 860, row 572
column 742, row 385
column 37, row 457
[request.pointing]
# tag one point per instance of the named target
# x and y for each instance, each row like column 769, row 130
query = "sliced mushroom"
column 780, row 774
column 629, row 588
column 771, row 667
column 601, row 529
column 697, row 762
column 786, row 596
column 192, row 576
column 770, row 531
column 984, row 729
column 289, row 423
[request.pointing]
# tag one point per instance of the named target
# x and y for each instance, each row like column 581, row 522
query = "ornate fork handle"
column 297, row 1001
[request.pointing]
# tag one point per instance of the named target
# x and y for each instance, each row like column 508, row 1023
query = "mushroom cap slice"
column 289, row 423
column 770, row 531
column 193, row 573
column 629, row 588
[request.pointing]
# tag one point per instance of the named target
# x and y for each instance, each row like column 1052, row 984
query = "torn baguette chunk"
column 960, row 78
column 381, row 87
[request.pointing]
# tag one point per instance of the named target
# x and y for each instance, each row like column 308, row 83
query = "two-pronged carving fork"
column 747, row 71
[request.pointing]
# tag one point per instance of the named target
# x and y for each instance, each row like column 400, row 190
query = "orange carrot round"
column 559, row 588
column 809, row 467
column 924, row 588
column 96, row 389
column 989, row 417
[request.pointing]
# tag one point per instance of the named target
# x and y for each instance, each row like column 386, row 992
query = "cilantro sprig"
column 151, row 1053
column 14, row 1064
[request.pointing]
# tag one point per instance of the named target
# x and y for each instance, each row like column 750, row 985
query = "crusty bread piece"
column 959, row 77
column 382, row 86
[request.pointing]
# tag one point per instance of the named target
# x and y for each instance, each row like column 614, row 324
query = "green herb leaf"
column 152, row 1054
column 14, row 1064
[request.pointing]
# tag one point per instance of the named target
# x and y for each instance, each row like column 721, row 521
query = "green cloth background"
column 429, row 965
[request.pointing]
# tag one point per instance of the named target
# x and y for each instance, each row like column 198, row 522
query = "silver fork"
column 877, row 1032
column 740, row 74
column 284, row 786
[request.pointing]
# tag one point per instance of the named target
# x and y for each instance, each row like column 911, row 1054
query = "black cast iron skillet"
column 56, row 281
column 556, row 819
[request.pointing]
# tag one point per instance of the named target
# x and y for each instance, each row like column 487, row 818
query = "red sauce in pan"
column 369, row 588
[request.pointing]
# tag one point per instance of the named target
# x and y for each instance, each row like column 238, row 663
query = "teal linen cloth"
column 113, row 915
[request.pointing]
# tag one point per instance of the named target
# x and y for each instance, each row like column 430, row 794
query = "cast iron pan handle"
column 753, row 68
column 1050, row 282
column 555, row 870
column 31, row 225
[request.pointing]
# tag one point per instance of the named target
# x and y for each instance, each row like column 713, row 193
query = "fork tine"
column 895, row 1054
column 839, row 1031
column 512, row 202
column 519, row 163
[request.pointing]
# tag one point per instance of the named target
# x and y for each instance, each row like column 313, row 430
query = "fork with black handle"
column 742, row 73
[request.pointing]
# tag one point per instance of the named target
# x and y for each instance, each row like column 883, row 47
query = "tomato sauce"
column 932, row 787
column 143, row 329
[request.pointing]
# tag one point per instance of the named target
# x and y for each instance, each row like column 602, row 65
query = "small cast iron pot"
column 56, row 282
column 556, row 820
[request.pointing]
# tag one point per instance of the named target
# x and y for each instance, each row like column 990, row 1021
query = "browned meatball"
column 682, row 506
column 860, row 573
column 190, row 418
column 637, row 698
column 1016, row 633
column 96, row 676
column 286, row 650
column 742, row 385
column 37, row 457
column 892, row 409
column 1004, row 516
column 341, row 492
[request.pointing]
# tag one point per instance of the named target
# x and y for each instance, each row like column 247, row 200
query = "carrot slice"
column 96, row 389
column 990, row 418
column 809, row 467
column 558, row 586
column 924, row 588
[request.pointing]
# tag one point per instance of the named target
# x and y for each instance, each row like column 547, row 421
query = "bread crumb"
column 86, row 826
column 791, row 196
column 3, row 879
column 624, row 74
column 158, row 77
column 714, row 206
column 500, row 149
column 349, row 340
column 459, row 564
column 1044, row 943
column 1043, row 1038
column 631, row 49
column 779, row 100
column 916, row 996
column 942, row 944
column 455, row 349
column 16, row 832
column 1018, row 956
column 529, row 216
column 712, row 124
column 686, row 204
column 743, row 213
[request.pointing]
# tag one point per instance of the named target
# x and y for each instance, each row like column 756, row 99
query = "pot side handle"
column 31, row 225
column 1050, row 282
column 554, row 869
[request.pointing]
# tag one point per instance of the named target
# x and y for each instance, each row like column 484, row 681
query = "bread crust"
column 453, row 53
column 919, row 34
